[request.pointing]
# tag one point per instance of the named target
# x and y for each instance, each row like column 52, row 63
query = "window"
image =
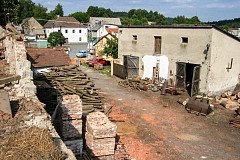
column 73, row 31
column 80, row 39
column 66, row 31
column 184, row 39
column 158, row 44
column 80, row 31
column 134, row 37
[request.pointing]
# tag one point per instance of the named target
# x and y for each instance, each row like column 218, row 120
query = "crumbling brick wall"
column 16, row 56
column 71, row 127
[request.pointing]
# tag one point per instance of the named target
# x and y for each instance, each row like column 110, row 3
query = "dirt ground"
column 155, row 127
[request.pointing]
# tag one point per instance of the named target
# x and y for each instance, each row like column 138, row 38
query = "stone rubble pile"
column 71, row 128
column 100, row 135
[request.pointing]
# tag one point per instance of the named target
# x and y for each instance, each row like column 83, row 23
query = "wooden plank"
column 9, row 79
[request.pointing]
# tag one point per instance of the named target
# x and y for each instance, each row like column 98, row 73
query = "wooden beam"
column 9, row 79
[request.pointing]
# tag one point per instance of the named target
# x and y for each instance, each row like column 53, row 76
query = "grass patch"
column 105, row 71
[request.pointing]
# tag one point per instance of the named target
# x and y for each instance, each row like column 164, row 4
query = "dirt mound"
column 30, row 143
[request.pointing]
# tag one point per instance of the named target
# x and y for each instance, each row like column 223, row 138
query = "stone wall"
column 16, row 56
column 34, row 114
column 31, row 109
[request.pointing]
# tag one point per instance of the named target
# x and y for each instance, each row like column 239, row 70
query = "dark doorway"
column 158, row 42
column 188, row 77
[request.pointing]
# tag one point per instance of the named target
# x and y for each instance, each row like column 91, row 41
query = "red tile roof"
column 47, row 57
column 112, row 30
column 68, row 22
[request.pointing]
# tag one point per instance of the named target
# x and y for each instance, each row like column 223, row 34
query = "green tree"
column 180, row 20
column 94, row 11
column 59, row 10
column 25, row 10
column 8, row 11
column 82, row 17
column 111, row 48
column 56, row 38
column 40, row 13
column 194, row 20
column 224, row 27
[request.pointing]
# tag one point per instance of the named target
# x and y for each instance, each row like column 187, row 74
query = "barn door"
column 181, row 75
column 195, row 80
column 158, row 41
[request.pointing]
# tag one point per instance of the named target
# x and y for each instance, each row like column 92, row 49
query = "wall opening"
column 188, row 77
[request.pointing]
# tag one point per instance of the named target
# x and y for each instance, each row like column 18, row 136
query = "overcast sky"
column 206, row 10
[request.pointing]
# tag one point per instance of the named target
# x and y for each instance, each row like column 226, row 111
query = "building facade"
column 203, row 57
column 72, row 30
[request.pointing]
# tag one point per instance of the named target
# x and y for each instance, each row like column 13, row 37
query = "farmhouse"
column 72, row 30
column 101, row 43
column 203, row 58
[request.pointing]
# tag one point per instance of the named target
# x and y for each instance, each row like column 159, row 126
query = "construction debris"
column 71, row 80
column 230, row 100
column 100, row 135
column 135, row 83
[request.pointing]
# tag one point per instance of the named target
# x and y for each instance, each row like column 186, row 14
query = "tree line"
column 17, row 10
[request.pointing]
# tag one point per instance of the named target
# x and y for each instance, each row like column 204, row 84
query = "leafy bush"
column 56, row 38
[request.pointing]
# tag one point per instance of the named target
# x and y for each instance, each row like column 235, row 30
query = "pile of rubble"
column 30, row 134
column 230, row 100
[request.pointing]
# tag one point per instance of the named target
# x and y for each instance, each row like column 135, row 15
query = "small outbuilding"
column 204, row 59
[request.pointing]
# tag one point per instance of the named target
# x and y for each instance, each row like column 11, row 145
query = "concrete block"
column 72, row 129
column 99, row 126
column 100, row 147
column 76, row 146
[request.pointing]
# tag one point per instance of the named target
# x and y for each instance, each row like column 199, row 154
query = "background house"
column 72, row 30
column 203, row 58
column 101, row 43
column 98, row 26
column 33, row 33
column 235, row 32
column 44, row 58
column 32, row 29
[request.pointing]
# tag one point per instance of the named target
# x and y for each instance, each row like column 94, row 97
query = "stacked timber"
column 100, row 135
column 230, row 100
column 71, row 127
column 135, row 83
column 71, row 80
